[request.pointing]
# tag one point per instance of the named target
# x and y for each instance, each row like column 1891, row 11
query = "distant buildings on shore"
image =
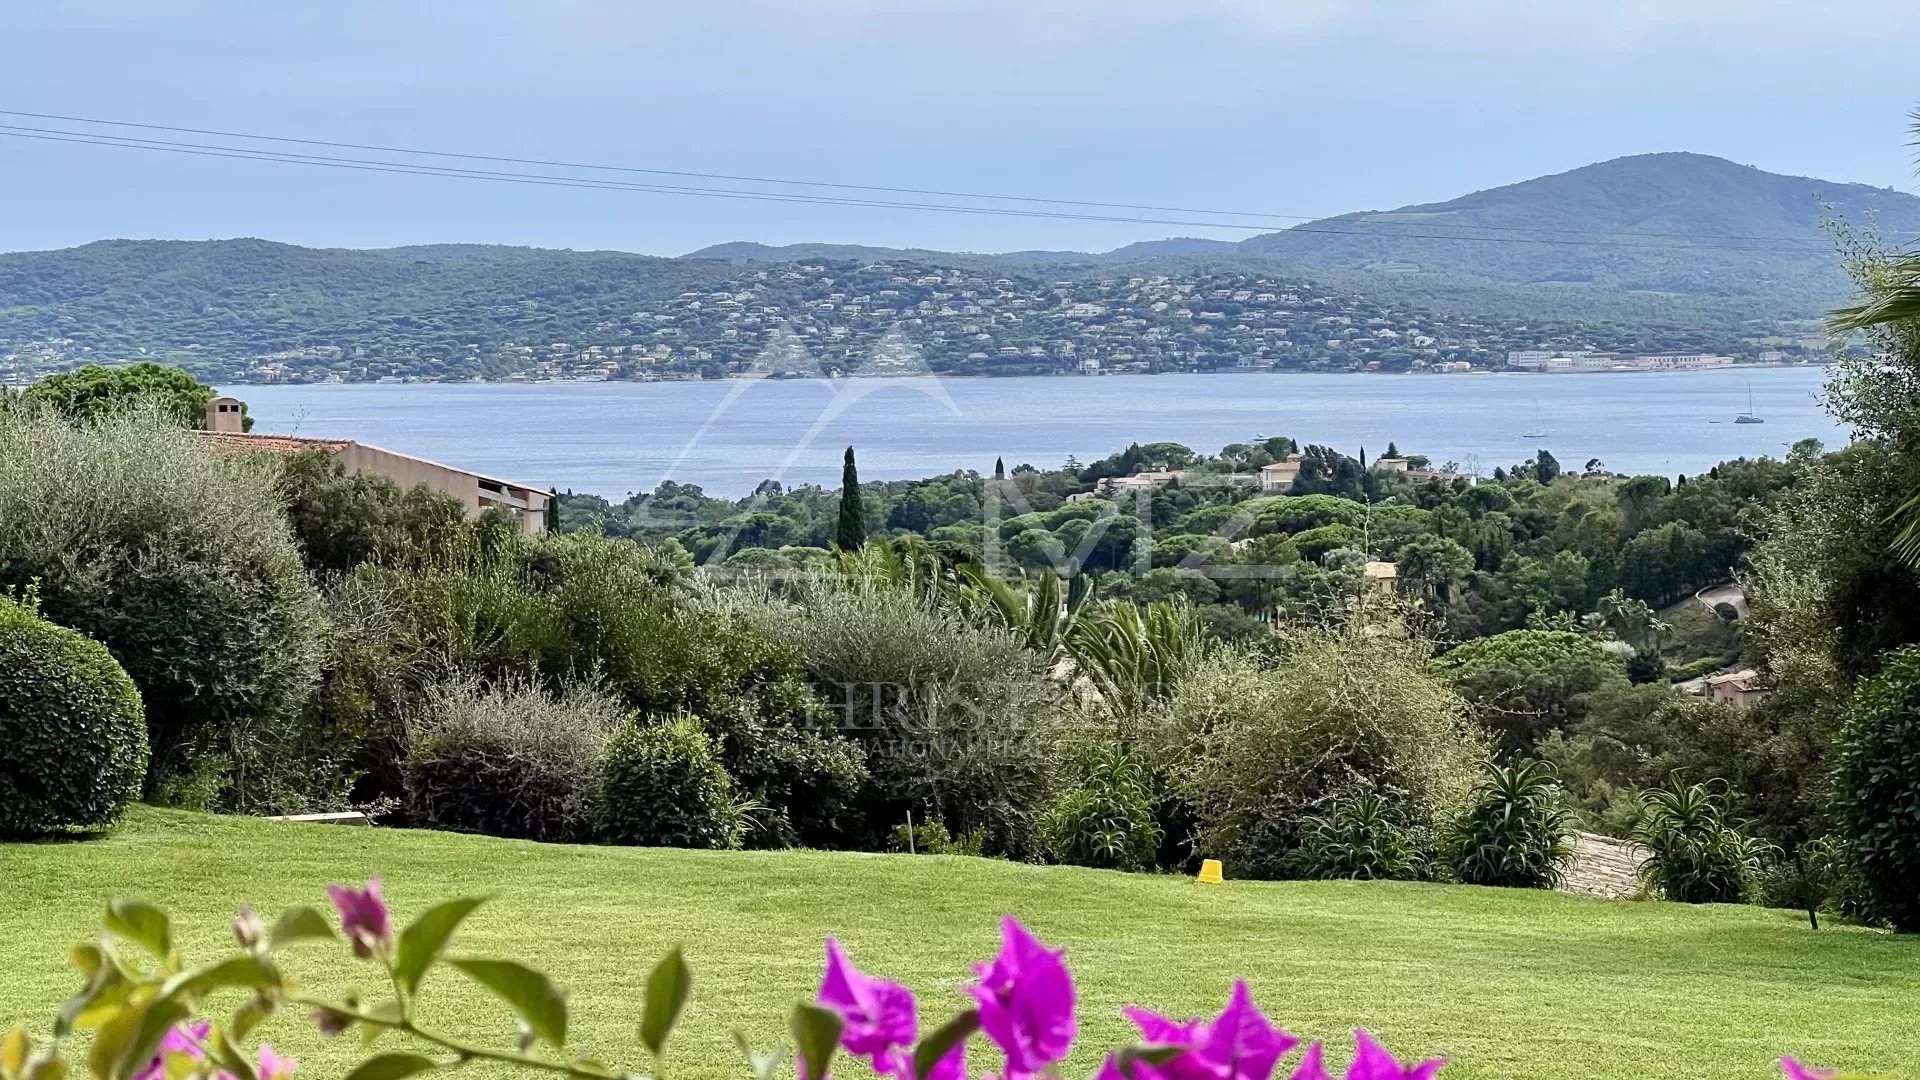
column 1552, row 362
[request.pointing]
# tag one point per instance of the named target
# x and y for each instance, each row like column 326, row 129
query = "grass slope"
column 1508, row 983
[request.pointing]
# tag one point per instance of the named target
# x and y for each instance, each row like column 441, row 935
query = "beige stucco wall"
column 409, row 472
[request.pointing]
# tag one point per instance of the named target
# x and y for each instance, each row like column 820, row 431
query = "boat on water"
column 1749, row 417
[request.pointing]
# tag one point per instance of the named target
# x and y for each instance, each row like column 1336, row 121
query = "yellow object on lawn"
column 1210, row 872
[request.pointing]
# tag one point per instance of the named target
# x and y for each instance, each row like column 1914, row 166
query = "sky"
column 1287, row 107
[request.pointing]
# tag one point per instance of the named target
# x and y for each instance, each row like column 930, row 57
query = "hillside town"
column 889, row 318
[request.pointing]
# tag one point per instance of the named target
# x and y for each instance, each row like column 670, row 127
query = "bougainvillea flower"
column 951, row 1067
column 1371, row 1061
column 878, row 1015
column 178, row 1040
column 1026, row 1001
column 1797, row 1071
column 363, row 917
column 273, row 1066
column 1239, row 1044
column 1311, row 1066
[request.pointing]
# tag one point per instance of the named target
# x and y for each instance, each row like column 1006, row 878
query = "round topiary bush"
column 71, row 724
column 1876, row 803
column 662, row 785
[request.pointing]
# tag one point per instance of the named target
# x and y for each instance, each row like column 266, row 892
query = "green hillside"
column 1507, row 982
column 1670, row 223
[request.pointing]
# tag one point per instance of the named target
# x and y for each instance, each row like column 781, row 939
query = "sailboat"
column 1749, row 417
column 1540, row 424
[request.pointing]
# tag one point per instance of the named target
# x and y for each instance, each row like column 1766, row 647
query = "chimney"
column 226, row 415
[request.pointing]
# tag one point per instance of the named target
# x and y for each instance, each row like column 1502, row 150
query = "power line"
column 549, row 180
column 587, row 166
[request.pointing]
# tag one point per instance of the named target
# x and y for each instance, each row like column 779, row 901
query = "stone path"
column 1603, row 867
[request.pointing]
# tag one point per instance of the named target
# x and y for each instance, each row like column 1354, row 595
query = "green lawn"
column 1509, row 983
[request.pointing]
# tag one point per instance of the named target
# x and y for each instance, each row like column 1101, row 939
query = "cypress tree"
column 552, row 514
column 999, row 468
column 1392, row 450
column 851, row 533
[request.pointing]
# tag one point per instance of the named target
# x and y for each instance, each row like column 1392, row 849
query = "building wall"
column 408, row 472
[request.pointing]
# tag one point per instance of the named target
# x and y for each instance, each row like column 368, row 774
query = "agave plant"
column 1695, row 857
column 1136, row 656
column 1362, row 839
column 1513, row 832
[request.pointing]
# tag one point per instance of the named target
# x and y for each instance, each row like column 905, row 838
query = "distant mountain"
column 1671, row 223
column 747, row 251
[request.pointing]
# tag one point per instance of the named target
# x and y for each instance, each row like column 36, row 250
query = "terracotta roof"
column 278, row 444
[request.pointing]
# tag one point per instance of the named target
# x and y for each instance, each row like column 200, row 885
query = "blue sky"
column 1289, row 106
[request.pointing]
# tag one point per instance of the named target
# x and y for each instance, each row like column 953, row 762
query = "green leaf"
column 816, row 1033
column 944, row 1039
column 299, row 924
column 245, row 970
column 143, row 1037
column 667, row 990
column 141, row 923
column 763, row 1065
column 426, row 938
column 532, row 995
column 1154, row 1055
column 392, row 1067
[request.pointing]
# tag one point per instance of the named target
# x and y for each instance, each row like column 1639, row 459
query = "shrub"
column 70, row 722
column 1695, row 857
column 1363, row 839
column 509, row 759
column 342, row 520
column 957, row 721
column 1346, row 711
column 1107, row 821
column 662, row 785
column 1876, row 803
column 932, row 838
column 175, row 560
column 1513, row 832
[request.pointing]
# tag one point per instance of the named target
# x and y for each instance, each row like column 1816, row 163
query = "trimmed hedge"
column 662, row 785
column 74, row 734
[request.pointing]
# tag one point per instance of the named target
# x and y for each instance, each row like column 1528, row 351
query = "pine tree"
column 999, row 468
column 851, row 533
column 1392, row 450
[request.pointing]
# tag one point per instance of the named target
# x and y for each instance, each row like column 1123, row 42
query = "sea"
column 727, row 436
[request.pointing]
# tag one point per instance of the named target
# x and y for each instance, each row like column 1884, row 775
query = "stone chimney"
column 226, row 415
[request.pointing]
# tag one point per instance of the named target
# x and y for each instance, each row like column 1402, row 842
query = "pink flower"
column 879, row 1016
column 273, row 1066
column 951, row 1067
column 1239, row 1044
column 178, row 1040
column 1311, row 1067
column 1797, row 1071
column 1026, row 1001
column 363, row 917
column 1371, row 1061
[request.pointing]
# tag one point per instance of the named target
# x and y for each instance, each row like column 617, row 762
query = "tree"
column 999, row 468
column 93, row 391
column 1392, row 449
column 1877, row 788
column 851, row 533
column 1546, row 469
column 1526, row 683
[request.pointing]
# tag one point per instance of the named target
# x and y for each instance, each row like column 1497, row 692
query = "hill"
column 1668, row 223
column 1506, row 982
column 248, row 310
column 1660, row 252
